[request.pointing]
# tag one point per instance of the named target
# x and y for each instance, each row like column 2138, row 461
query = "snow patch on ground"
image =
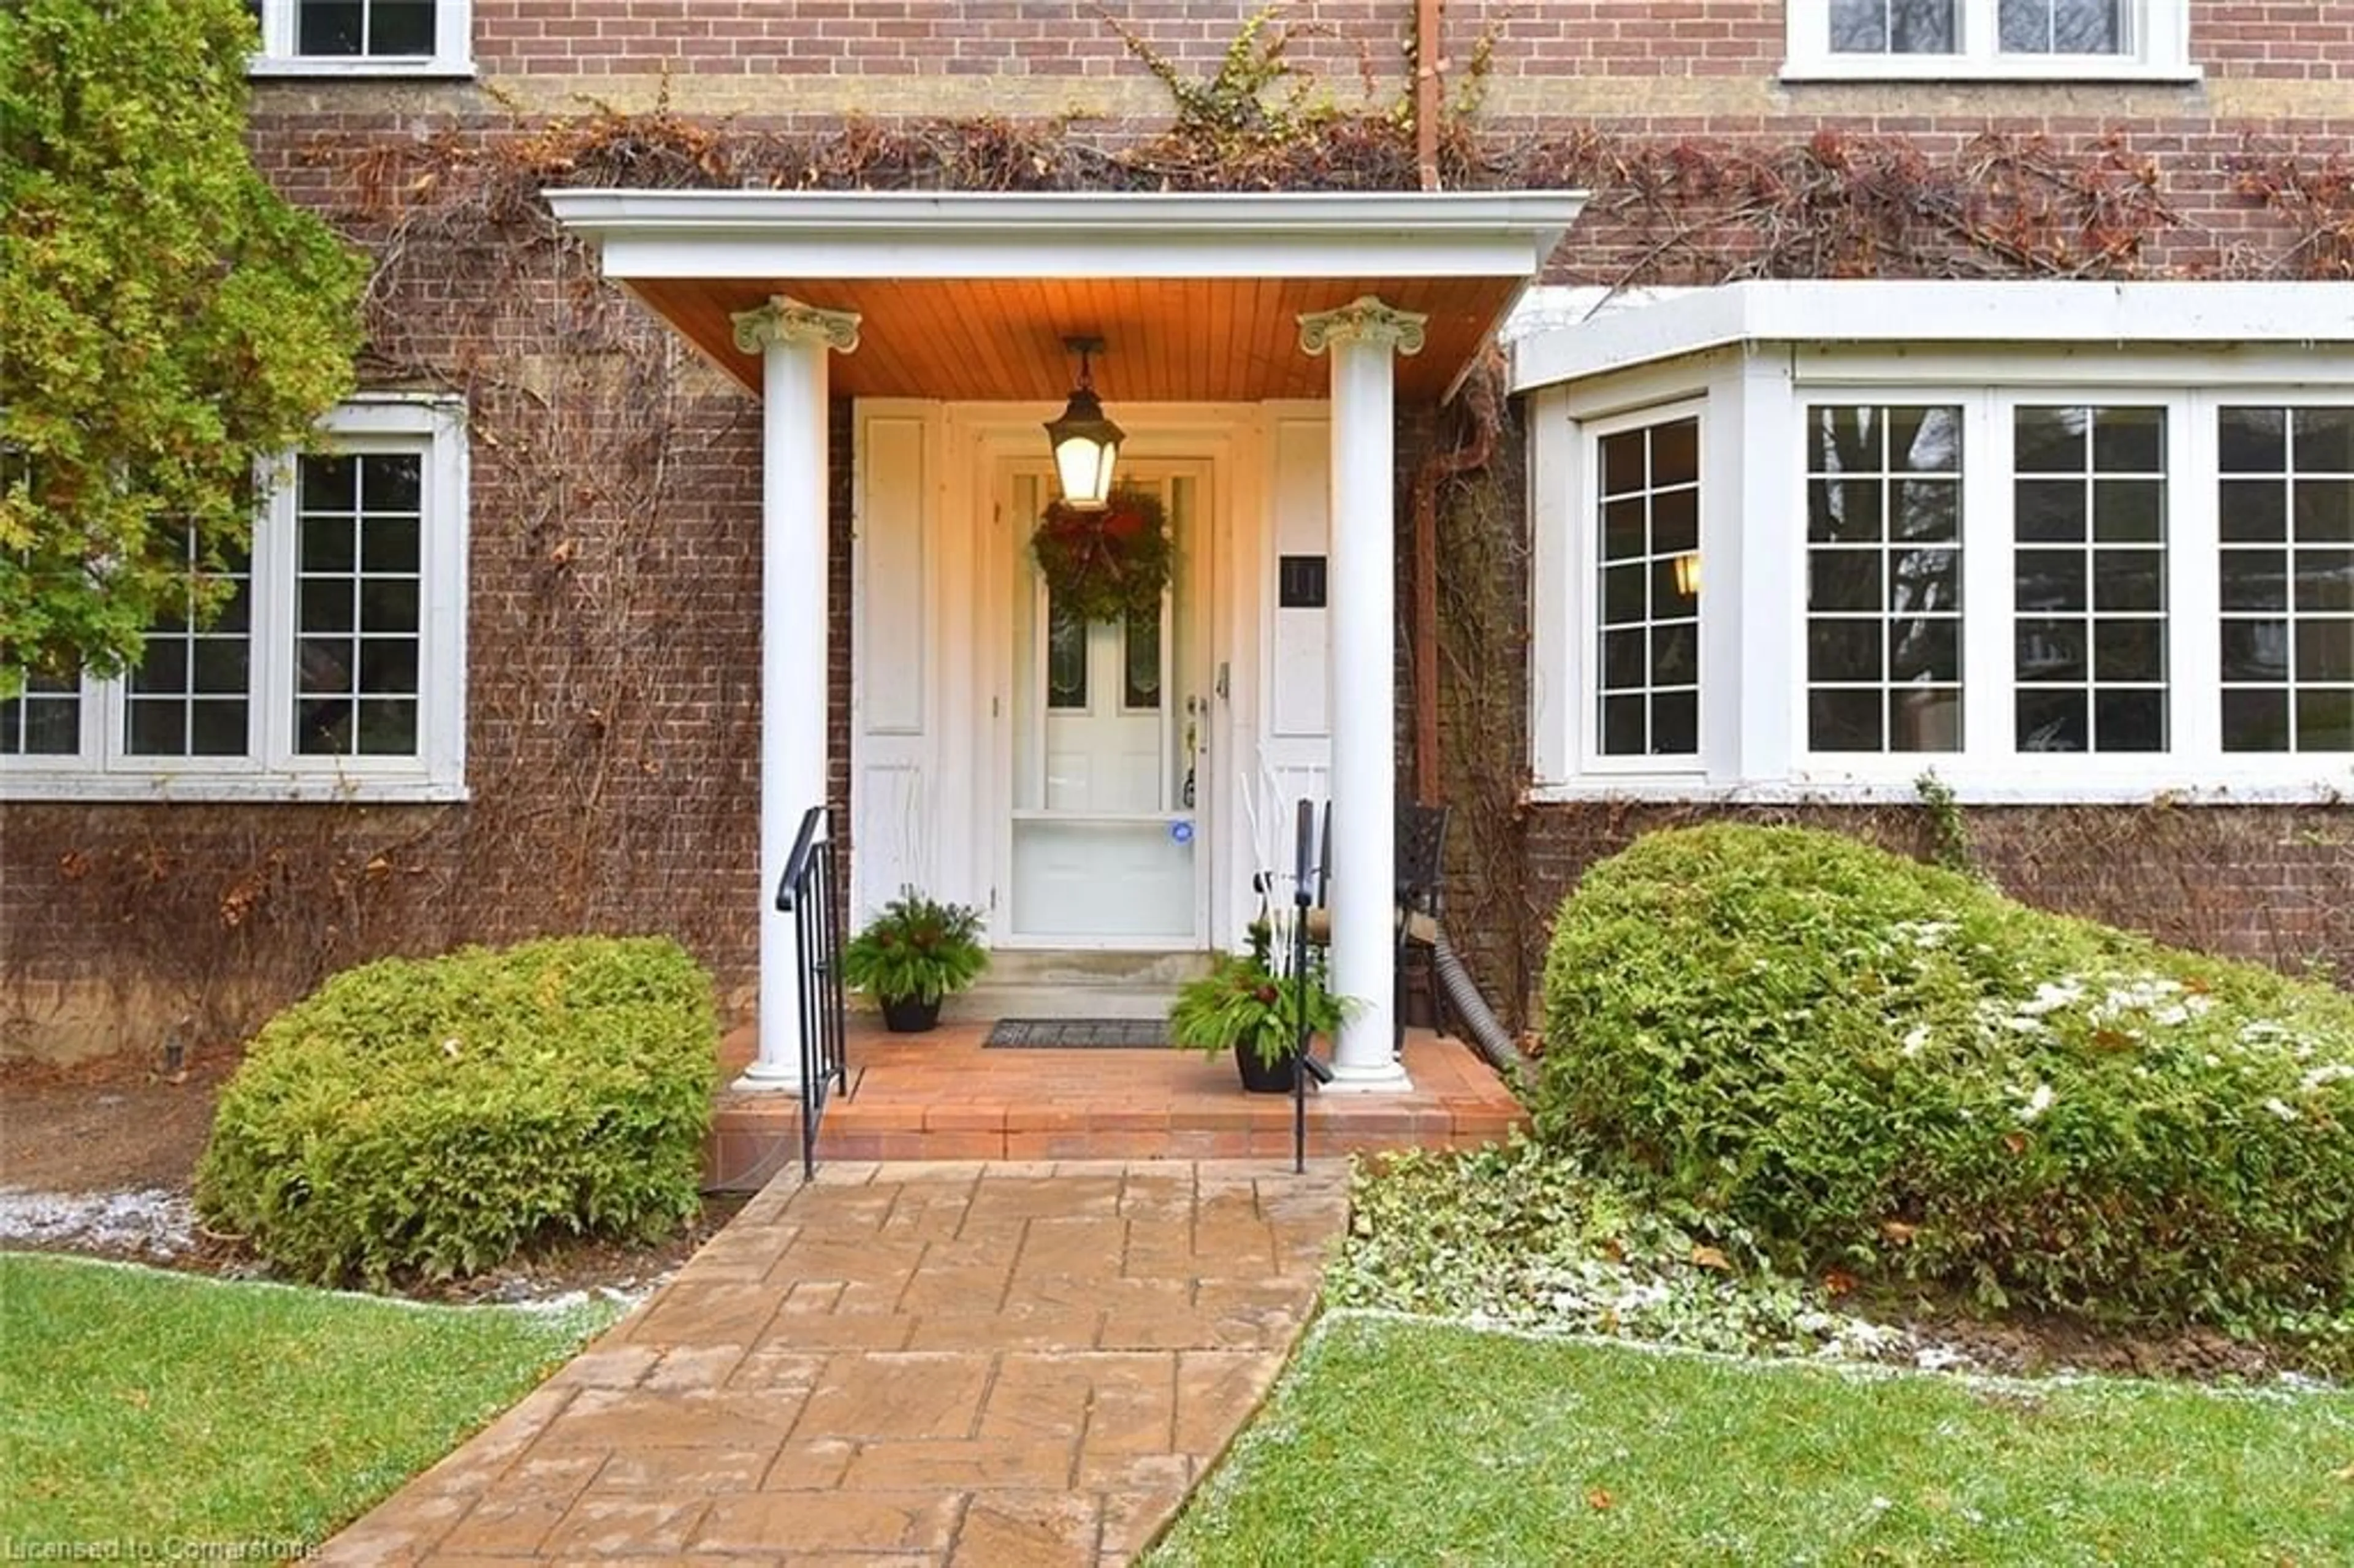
column 152, row 1224
column 621, row 1298
column 150, row 1220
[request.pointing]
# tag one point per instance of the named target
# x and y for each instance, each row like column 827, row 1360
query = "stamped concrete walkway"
column 905, row 1364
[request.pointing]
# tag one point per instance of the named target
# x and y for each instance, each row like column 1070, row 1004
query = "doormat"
column 1080, row 1033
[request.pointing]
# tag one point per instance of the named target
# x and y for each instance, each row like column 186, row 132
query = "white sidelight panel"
column 1299, row 698
column 899, row 641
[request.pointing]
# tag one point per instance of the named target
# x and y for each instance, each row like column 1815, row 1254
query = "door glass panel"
column 1066, row 658
column 1140, row 662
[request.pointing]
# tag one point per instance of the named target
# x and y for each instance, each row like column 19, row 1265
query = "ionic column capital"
column 1364, row 320
column 788, row 321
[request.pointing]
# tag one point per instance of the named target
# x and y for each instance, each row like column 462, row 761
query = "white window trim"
column 1591, row 758
column 273, row 769
column 453, row 55
column 2160, row 35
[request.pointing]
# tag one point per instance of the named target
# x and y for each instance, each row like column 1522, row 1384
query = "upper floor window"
column 367, row 37
column 1994, row 38
column 335, row 669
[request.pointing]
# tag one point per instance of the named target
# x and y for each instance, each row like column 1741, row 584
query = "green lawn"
column 1397, row 1442
column 138, row 1406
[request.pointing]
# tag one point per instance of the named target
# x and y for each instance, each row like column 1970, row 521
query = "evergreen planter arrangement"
column 1242, row 1005
column 916, row 952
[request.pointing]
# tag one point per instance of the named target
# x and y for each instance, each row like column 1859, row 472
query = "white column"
column 1363, row 339
column 792, row 340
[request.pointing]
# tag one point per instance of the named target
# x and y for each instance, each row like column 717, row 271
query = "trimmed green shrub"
column 1889, row 1068
column 429, row 1117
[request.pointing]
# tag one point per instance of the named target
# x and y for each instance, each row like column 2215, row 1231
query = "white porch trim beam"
column 1363, row 339
column 648, row 235
column 792, row 340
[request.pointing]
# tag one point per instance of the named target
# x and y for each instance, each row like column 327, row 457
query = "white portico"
column 1104, row 786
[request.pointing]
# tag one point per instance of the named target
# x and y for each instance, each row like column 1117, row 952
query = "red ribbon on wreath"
column 1104, row 563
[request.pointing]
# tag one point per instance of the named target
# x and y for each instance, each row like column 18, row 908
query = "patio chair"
column 1421, row 854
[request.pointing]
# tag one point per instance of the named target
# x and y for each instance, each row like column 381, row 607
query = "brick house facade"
column 612, row 606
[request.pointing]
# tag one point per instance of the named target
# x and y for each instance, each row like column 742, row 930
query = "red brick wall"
column 613, row 721
column 1067, row 37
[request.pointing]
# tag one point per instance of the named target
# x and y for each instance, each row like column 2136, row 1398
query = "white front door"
column 1105, row 845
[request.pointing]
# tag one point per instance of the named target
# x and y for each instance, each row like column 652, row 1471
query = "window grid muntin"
column 1883, row 479
column 2102, row 629
column 2323, row 701
column 207, row 705
column 348, row 676
column 1675, row 701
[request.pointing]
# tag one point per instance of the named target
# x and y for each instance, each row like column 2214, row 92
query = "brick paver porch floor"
column 905, row 1364
column 940, row 1096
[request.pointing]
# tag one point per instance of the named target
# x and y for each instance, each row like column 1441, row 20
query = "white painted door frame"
column 987, row 440
column 931, row 667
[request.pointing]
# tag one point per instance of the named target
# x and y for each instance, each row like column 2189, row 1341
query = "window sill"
column 2017, row 73
column 383, row 68
column 188, row 789
column 2318, row 789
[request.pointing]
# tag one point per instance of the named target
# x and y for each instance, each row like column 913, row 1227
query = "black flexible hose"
column 1488, row 1037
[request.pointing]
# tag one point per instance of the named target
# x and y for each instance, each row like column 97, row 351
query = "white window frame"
column 1591, row 758
column 453, row 55
column 273, row 769
column 2159, row 29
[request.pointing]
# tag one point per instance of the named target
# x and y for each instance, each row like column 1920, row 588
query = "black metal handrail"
column 1304, row 1063
column 808, row 894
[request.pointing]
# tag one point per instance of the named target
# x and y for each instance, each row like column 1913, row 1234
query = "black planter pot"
column 1261, row 1078
column 909, row 1015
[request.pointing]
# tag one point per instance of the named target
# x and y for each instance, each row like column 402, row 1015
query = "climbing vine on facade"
column 595, row 432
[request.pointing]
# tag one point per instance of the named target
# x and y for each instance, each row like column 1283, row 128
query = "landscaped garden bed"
column 1826, row 1140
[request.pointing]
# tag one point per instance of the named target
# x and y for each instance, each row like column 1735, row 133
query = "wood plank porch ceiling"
column 1167, row 339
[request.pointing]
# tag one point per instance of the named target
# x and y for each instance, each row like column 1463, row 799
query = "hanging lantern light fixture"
column 1087, row 445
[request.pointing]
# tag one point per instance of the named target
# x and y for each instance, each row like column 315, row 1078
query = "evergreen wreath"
column 1106, row 562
